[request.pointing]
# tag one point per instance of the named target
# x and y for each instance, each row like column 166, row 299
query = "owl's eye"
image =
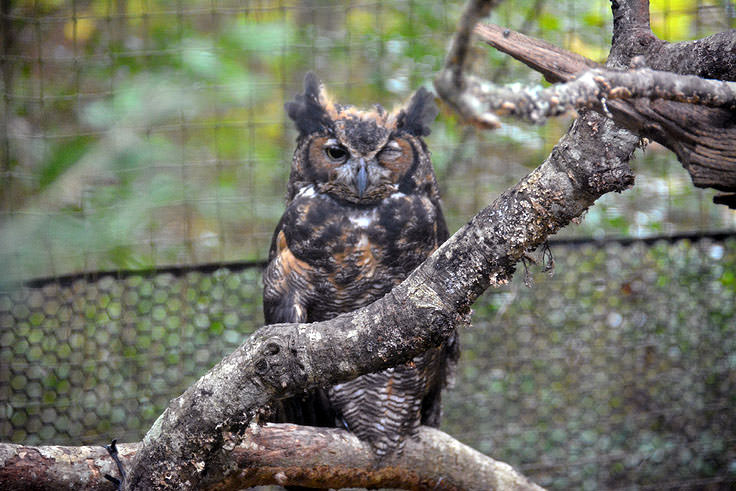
column 336, row 153
column 392, row 151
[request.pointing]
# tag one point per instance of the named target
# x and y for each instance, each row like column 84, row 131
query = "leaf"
column 62, row 158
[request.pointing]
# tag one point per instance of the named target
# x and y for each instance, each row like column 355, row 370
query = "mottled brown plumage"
column 362, row 212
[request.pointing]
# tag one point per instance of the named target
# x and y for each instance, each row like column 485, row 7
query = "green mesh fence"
column 85, row 358
column 151, row 133
column 619, row 370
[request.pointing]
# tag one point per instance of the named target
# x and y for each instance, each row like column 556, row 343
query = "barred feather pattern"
column 384, row 408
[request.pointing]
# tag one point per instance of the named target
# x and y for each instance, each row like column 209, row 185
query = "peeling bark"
column 281, row 454
column 704, row 139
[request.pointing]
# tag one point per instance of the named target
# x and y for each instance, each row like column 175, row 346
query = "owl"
column 363, row 210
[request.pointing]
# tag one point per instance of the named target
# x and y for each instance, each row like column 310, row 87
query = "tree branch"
column 711, row 57
column 590, row 89
column 556, row 64
column 457, row 54
column 185, row 448
column 703, row 138
column 56, row 467
column 631, row 31
column 282, row 454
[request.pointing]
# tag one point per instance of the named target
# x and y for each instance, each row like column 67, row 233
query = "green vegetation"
column 147, row 133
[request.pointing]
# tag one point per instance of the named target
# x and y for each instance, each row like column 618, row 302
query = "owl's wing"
column 431, row 414
column 284, row 281
column 287, row 282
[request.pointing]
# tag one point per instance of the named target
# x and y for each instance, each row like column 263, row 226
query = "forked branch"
column 673, row 103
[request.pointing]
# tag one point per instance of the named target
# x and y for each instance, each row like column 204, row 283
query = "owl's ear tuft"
column 308, row 110
column 418, row 114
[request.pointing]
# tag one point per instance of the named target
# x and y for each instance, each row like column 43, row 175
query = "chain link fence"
column 619, row 370
column 86, row 357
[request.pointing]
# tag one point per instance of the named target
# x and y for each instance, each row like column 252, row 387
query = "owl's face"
column 360, row 156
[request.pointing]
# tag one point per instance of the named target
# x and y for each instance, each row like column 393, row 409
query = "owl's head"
column 360, row 156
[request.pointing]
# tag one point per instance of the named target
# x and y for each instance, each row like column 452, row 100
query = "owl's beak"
column 361, row 178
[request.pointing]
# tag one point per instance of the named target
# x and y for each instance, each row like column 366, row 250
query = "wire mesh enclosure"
column 620, row 370
column 151, row 133
column 145, row 155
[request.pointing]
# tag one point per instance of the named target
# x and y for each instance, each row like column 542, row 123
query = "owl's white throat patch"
column 363, row 220
column 306, row 192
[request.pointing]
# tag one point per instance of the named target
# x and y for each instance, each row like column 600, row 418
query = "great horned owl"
column 363, row 210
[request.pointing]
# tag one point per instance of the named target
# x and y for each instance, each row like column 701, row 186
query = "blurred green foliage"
column 147, row 133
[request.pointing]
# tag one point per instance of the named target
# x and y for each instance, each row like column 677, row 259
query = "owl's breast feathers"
column 329, row 257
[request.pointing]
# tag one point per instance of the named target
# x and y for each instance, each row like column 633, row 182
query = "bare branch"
column 281, row 454
column 556, row 64
column 457, row 54
column 56, row 467
column 703, row 138
column 630, row 19
column 590, row 89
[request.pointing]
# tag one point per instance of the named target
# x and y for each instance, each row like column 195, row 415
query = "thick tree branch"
column 185, row 448
column 57, row 468
column 281, row 454
column 631, row 31
column 710, row 57
column 297, row 455
column 703, row 138
column 590, row 89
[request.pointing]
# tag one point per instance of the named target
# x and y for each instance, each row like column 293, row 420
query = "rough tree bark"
column 280, row 454
column 195, row 442
column 185, row 446
column 703, row 138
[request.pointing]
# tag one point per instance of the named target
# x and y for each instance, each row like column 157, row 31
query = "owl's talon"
column 112, row 449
